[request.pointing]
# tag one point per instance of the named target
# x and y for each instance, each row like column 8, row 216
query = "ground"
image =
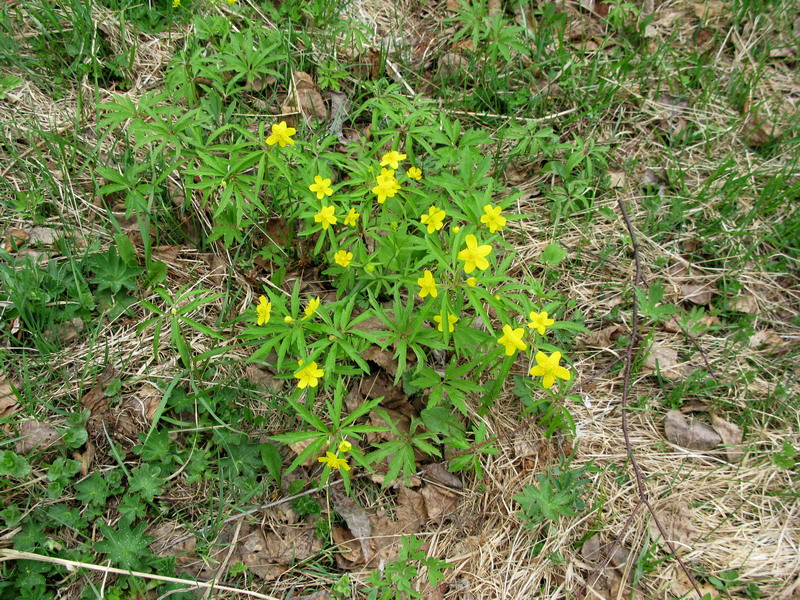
column 646, row 157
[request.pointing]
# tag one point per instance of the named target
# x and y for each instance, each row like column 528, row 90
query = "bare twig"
column 8, row 554
column 626, row 384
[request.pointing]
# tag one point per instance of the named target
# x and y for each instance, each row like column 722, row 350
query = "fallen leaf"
column 440, row 502
column 744, row 303
column 694, row 406
column 682, row 588
column 449, row 64
column 676, row 521
column 217, row 267
column 665, row 361
column 440, row 474
column 617, row 179
column 269, row 555
column 15, row 238
column 8, row 400
column 757, row 131
column 36, row 435
column 603, row 338
column 383, row 358
column 731, row 435
column 708, row 10
column 42, row 235
column 263, row 377
column 86, row 458
column 411, row 513
column 340, row 108
column 150, row 397
column 699, row 294
column 307, row 97
column 357, row 519
column 765, row 337
column 66, row 332
column 299, row 447
column 690, row 433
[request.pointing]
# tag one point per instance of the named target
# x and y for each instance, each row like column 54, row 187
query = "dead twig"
column 626, row 384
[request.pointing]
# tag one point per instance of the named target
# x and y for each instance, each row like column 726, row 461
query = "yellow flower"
column 492, row 218
column 451, row 321
column 281, row 133
column 456, row 229
column 343, row 258
column 392, row 159
column 548, row 368
column 287, row 319
column 345, row 446
column 325, row 217
column 352, row 218
column 434, row 219
column 540, row 322
column 309, row 375
column 384, row 190
column 311, row 308
column 231, row 1
column 176, row 3
column 322, row 187
column 474, row 255
column 334, row 462
column 428, row 285
column 263, row 310
column 472, row 282
column 414, row 173
column 387, row 176
column 512, row 339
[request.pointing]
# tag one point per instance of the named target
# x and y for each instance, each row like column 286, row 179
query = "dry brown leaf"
column 36, row 435
column 676, row 520
column 682, row 588
column 495, row 8
column 349, row 548
column 617, row 179
column 95, row 399
column 298, row 448
column 665, row 360
column 151, row 397
column 307, row 97
column 383, row 358
column 690, row 433
column 440, row 502
column 765, row 337
column 449, row 64
column 411, row 513
column 268, row 555
column 694, row 405
column 759, row 131
column 731, row 435
column 43, row 235
column 8, row 400
column 380, row 385
column 708, row 10
column 357, row 519
column 700, row 294
column 86, row 458
column 744, row 303
column 603, row 338
column 263, row 377
column 217, row 267
column 440, row 474
column 16, row 238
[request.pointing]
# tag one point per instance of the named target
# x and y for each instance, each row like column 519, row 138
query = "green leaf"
column 125, row 546
column 553, row 254
column 146, row 481
column 125, row 248
column 273, row 461
column 93, row 490
column 14, row 465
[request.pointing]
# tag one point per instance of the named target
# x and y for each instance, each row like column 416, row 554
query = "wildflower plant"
column 410, row 230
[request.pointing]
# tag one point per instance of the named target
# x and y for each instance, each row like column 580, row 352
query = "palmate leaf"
column 125, row 547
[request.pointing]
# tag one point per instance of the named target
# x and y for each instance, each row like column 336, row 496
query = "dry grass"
column 726, row 516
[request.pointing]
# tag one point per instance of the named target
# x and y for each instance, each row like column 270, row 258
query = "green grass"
column 142, row 188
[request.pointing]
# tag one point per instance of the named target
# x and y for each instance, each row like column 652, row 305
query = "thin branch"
column 629, row 354
column 7, row 554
